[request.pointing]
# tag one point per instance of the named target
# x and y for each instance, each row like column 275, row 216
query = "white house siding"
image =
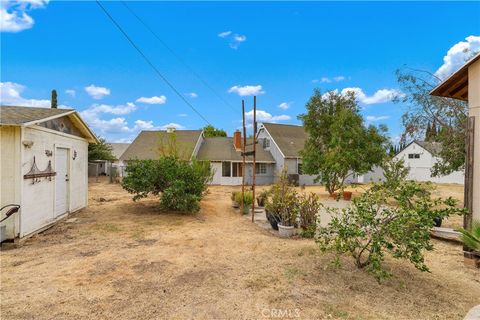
column 38, row 200
column 420, row 169
column 260, row 179
column 10, row 175
column 274, row 151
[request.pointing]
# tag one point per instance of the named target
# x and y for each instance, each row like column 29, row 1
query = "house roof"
column 222, row 149
column 148, row 144
column 27, row 116
column 433, row 147
column 289, row 138
column 118, row 149
column 456, row 86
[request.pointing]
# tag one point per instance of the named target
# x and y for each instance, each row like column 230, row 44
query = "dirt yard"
column 124, row 260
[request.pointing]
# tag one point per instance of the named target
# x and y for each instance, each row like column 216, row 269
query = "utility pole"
column 254, row 154
column 243, row 153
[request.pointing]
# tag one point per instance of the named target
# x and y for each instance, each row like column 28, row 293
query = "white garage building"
column 43, row 166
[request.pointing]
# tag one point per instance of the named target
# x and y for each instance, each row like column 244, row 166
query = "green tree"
column 447, row 114
column 54, row 102
column 339, row 143
column 394, row 217
column 210, row 131
column 100, row 151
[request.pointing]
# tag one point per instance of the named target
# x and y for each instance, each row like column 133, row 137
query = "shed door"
column 61, row 181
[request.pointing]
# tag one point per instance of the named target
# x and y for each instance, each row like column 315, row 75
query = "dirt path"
column 125, row 260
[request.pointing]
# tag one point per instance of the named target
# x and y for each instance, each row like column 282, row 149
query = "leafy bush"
column 471, row 237
column 181, row 184
column 308, row 207
column 247, row 198
column 394, row 217
column 282, row 202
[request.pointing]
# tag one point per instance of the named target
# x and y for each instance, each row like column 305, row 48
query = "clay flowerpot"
column 347, row 195
column 235, row 204
column 286, row 231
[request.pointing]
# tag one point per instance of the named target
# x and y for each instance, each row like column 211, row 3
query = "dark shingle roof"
column 222, row 149
column 118, row 149
column 289, row 138
column 148, row 144
column 433, row 147
column 15, row 115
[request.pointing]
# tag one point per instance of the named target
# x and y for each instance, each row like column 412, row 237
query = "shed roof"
column 17, row 115
column 147, row 145
column 289, row 138
column 27, row 116
column 118, row 149
column 222, row 149
column 456, row 86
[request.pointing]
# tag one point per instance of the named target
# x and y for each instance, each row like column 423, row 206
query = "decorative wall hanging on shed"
column 35, row 174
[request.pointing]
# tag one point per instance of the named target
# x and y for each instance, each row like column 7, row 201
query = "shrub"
column 247, row 199
column 282, row 203
column 471, row 237
column 308, row 208
column 180, row 184
column 392, row 217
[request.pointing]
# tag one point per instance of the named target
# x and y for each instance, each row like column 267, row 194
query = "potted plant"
column 347, row 195
column 262, row 197
column 288, row 214
column 471, row 239
column 247, row 201
column 308, row 209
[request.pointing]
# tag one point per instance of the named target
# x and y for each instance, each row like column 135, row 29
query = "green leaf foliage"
column 393, row 217
column 471, row 237
column 339, row 143
column 180, row 184
column 210, row 131
column 100, row 151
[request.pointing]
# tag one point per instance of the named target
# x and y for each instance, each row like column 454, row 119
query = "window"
column 266, row 143
column 414, row 156
column 261, row 168
column 237, row 169
column 299, row 168
column 226, row 169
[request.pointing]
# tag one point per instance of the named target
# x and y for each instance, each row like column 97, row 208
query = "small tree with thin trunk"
column 339, row 143
column 54, row 102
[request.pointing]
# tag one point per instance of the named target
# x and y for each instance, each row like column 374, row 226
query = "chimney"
column 237, row 140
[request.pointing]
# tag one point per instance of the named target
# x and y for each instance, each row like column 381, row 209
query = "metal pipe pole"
column 254, row 154
column 243, row 153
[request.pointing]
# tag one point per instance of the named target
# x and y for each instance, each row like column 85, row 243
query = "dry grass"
column 126, row 260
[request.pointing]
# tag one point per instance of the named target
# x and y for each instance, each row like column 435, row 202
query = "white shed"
column 43, row 166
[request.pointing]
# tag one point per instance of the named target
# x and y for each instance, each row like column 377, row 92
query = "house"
column 464, row 85
column 152, row 144
column 420, row 157
column 102, row 167
column 226, row 161
column 285, row 142
column 44, row 159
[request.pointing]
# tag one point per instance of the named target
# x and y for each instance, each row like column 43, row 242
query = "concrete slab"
column 473, row 314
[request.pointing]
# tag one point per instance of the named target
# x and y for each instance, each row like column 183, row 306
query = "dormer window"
column 266, row 143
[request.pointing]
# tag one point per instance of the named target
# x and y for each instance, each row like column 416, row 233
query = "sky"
column 218, row 53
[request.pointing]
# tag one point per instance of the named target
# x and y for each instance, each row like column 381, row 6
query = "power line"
column 150, row 63
column 179, row 58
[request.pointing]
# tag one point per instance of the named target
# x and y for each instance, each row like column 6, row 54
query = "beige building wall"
column 474, row 110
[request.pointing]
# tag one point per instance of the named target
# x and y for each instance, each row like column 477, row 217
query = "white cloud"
column 380, row 96
column 458, row 55
column 284, row 105
column 376, row 118
column 224, row 34
column 329, row 80
column 246, row 90
column 172, row 125
column 97, row 92
column 183, row 115
column 14, row 16
column 234, row 40
column 153, row 100
column 11, row 94
column 192, row 95
column 263, row 116
column 71, row 92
